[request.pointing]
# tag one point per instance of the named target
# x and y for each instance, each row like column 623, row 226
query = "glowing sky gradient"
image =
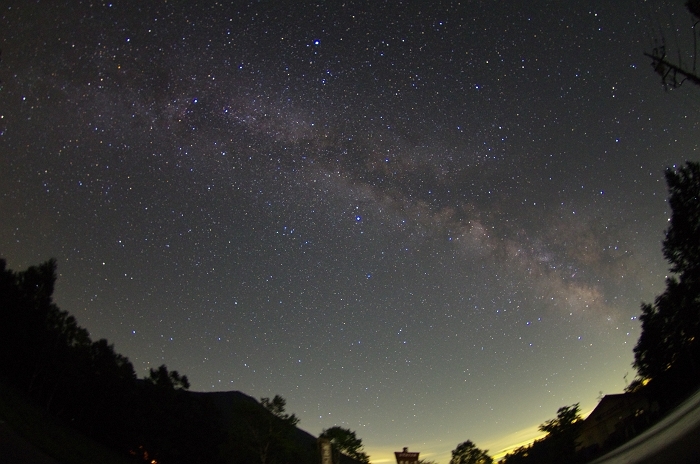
column 425, row 222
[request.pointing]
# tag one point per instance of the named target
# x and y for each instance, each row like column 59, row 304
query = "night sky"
column 424, row 221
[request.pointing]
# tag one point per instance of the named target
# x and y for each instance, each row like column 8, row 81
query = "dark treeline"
column 558, row 446
column 46, row 355
column 667, row 354
column 48, row 358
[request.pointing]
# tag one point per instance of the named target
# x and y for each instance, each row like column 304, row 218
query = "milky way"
column 424, row 223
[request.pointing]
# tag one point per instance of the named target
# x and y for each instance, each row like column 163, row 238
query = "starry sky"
column 424, row 221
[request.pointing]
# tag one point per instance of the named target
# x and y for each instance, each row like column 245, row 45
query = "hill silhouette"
column 231, row 405
column 50, row 362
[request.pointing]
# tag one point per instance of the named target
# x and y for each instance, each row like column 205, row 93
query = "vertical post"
column 326, row 451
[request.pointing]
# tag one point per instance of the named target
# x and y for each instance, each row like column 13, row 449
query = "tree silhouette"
column 672, row 74
column 558, row 446
column 163, row 379
column 567, row 416
column 668, row 349
column 276, row 407
column 467, row 453
column 681, row 246
column 562, row 432
column 47, row 357
column 346, row 442
column 265, row 435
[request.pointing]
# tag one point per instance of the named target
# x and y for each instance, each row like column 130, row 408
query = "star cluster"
column 423, row 222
